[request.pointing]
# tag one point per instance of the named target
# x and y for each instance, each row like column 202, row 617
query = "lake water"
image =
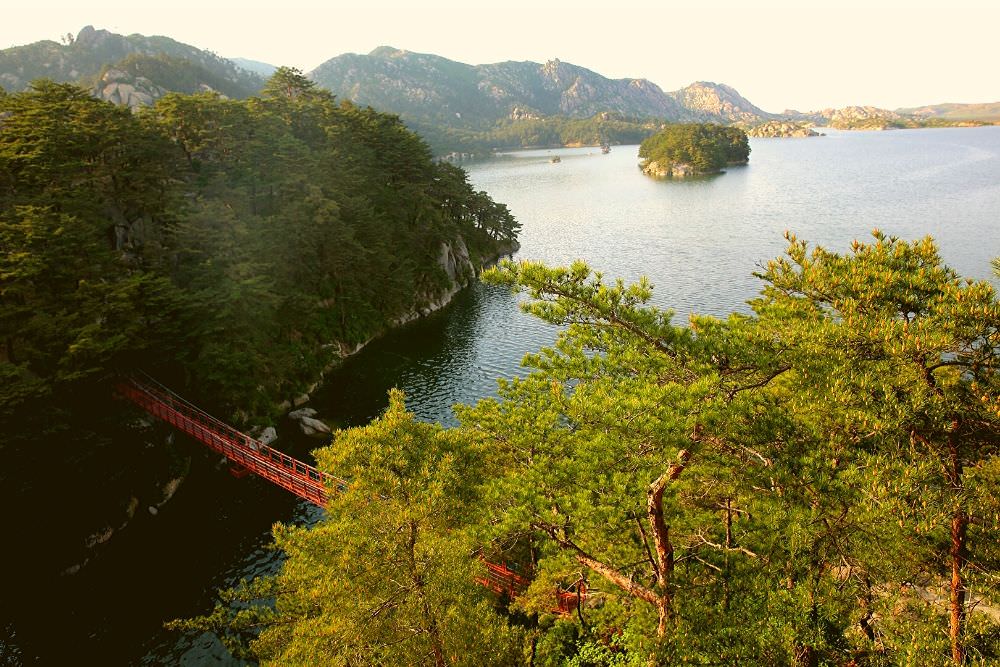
column 698, row 241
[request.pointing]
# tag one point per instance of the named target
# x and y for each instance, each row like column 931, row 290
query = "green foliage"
column 780, row 488
column 818, row 455
column 228, row 247
column 77, row 179
column 302, row 222
column 545, row 131
column 181, row 75
column 388, row 576
column 706, row 147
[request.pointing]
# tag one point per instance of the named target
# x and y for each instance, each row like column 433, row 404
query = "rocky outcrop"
column 779, row 128
column 868, row 118
column 308, row 424
column 456, row 261
column 83, row 59
column 121, row 88
column 668, row 169
column 522, row 113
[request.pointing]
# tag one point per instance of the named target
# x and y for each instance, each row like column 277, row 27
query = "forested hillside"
column 232, row 248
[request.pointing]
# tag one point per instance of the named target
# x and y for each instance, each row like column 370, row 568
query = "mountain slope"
column 717, row 101
column 431, row 89
column 162, row 61
column 257, row 67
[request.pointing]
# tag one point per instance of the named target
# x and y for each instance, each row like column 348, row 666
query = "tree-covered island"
column 692, row 149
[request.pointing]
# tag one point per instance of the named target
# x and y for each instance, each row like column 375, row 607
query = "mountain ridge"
column 426, row 90
column 86, row 58
column 431, row 88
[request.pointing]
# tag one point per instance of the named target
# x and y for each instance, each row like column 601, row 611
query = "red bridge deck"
column 303, row 480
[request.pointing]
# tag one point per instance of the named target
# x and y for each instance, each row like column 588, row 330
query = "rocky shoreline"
column 782, row 129
column 455, row 260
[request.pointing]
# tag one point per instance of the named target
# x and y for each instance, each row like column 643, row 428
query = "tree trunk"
column 430, row 623
column 957, row 551
column 662, row 545
column 959, row 526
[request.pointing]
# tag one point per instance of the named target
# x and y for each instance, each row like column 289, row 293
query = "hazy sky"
column 778, row 55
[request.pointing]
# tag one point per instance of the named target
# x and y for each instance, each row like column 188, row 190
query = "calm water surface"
column 698, row 241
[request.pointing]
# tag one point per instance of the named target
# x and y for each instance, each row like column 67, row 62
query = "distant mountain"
column 430, row 89
column 719, row 102
column 851, row 118
column 257, row 67
column 132, row 69
column 958, row 112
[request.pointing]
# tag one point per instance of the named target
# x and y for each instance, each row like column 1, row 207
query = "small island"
column 693, row 149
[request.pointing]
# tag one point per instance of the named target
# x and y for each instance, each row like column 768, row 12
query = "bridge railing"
column 303, row 480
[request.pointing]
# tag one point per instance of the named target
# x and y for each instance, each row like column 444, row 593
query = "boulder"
column 301, row 413
column 268, row 435
column 313, row 426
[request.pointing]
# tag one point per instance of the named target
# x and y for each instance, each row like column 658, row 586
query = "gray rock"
column 311, row 426
column 268, row 435
column 302, row 413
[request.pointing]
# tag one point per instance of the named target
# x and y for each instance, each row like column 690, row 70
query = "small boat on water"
column 556, row 159
column 605, row 148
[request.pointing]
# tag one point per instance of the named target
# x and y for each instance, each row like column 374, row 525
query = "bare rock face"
column 454, row 259
column 268, row 436
column 852, row 118
column 122, row 88
column 313, row 426
column 308, row 424
column 522, row 113
column 863, row 118
column 668, row 169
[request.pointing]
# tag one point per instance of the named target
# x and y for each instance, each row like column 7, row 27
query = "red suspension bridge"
column 305, row 481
